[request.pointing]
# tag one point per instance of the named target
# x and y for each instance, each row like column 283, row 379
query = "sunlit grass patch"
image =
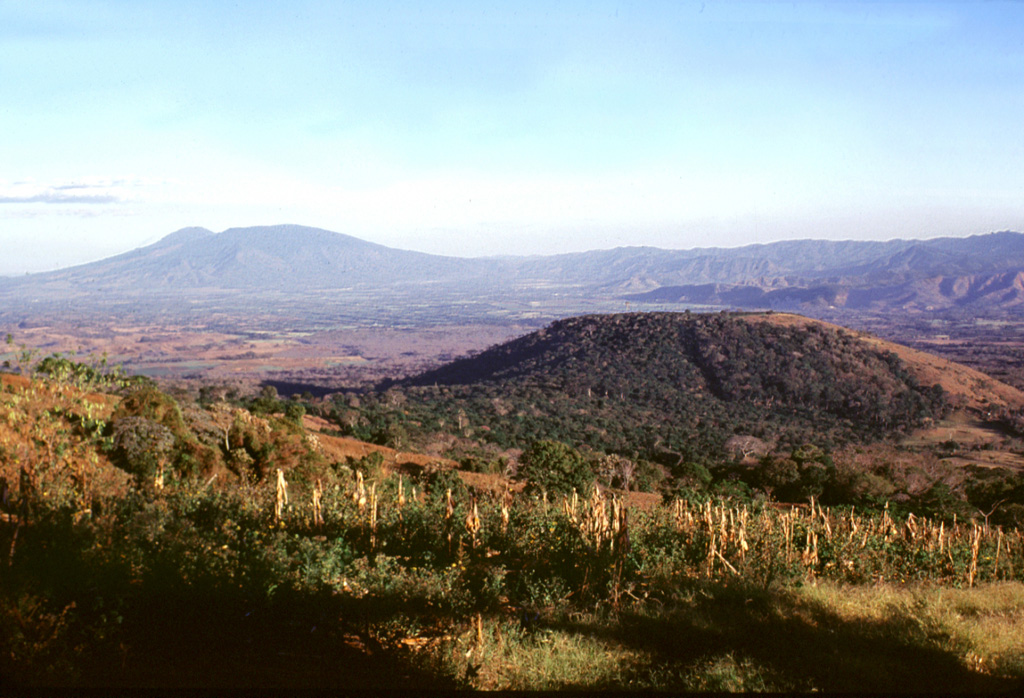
column 505, row 656
column 982, row 626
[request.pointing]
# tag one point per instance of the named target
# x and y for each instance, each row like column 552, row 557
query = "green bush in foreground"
column 554, row 467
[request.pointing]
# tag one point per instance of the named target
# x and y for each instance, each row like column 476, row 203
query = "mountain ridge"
column 979, row 272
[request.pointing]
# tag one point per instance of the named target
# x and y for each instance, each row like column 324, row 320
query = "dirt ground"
column 338, row 448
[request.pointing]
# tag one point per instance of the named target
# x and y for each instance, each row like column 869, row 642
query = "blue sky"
column 506, row 128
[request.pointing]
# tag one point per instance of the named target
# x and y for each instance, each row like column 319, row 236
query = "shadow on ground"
column 798, row 643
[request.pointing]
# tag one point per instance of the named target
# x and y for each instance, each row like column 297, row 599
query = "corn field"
column 437, row 564
column 596, row 545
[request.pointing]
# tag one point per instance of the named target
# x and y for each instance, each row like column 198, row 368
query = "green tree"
column 779, row 477
column 556, row 468
column 267, row 402
column 294, row 412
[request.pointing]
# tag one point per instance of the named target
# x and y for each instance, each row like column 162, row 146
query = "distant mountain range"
column 983, row 273
column 282, row 257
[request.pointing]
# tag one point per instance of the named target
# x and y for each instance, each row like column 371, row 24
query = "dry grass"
column 32, row 431
column 826, row 637
column 338, row 448
column 984, row 625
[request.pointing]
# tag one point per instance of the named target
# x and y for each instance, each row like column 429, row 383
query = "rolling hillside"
column 983, row 291
column 151, row 541
column 656, row 383
column 964, row 386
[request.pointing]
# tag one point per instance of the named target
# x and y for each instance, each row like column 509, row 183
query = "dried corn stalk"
column 449, row 512
column 373, row 515
column 473, row 523
column 810, row 554
column 910, row 528
column 621, row 543
column 999, row 547
column 282, row 495
column 972, row 572
column 593, row 524
column 569, row 506
column 506, row 513
column 318, row 494
column 359, row 496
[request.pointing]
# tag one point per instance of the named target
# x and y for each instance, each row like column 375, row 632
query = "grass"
column 511, row 657
column 983, row 625
column 713, row 637
column 727, row 638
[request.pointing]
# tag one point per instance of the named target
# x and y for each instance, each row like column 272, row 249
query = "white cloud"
column 79, row 191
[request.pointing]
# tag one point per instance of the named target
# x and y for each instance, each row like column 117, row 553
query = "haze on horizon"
column 506, row 128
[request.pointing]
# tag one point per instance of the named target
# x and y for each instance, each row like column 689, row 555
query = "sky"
column 477, row 128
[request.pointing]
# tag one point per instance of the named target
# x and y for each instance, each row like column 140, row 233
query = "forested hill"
column 632, row 382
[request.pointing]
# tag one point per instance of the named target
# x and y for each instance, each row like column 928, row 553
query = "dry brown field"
column 334, row 358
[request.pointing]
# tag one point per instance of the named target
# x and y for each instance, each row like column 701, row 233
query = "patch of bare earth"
column 218, row 353
column 977, row 444
column 339, row 448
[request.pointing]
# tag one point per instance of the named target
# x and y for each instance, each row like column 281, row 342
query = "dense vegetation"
column 661, row 401
column 291, row 582
column 150, row 540
column 650, row 382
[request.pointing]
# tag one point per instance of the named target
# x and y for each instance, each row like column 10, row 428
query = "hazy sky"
column 516, row 127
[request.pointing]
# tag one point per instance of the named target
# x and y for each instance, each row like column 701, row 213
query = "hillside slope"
column 964, row 386
column 907, row 291
column 650, row 382
column 262, row 258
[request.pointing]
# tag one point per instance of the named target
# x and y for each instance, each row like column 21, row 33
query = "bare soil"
column 339, row 448
column 976, row 443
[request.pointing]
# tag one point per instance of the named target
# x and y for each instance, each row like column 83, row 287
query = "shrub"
column 149, row 402
column 555, row 467
column 371, row 465
column 294, row 412
column 267, row 402
column 142, row 445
